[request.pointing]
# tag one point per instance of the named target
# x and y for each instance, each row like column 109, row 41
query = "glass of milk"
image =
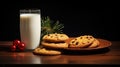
column 30, row 27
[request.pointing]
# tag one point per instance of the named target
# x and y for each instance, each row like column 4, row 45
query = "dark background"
column 79, row 18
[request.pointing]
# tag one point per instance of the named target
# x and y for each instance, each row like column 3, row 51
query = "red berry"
column 16, row 42
column 21, row 46
column 13, row 47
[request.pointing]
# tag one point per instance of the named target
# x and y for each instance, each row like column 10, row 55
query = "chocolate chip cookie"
column 55, row 37
column 44, row 51
column 82, row 41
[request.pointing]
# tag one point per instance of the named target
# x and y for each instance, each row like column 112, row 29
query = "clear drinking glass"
column 30, row 27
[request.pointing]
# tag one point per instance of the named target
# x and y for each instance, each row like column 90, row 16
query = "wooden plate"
column 103, row 44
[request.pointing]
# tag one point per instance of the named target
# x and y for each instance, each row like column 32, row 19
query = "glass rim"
column 29, row 10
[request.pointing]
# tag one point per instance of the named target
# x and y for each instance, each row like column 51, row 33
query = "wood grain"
column 109, row 55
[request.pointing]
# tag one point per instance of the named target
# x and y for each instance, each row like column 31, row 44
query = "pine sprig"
column 48, row 26
column 57, row 27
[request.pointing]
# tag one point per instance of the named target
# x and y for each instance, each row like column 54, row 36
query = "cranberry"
column 16, row 42
column 13, row 47
column 21, row 46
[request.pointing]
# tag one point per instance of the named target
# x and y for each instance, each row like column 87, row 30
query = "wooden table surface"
column 109, row 55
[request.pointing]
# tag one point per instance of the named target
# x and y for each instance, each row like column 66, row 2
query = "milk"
column 30, row 29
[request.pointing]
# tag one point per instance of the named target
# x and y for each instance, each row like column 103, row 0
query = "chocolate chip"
column 87, row 37
column 90, row 37
column 77, row 43
column 75, row 38
column 61, row 36
column 73, row 41
column 80, row 37
column 48, row 34
column 88, row 42
column 55, row 34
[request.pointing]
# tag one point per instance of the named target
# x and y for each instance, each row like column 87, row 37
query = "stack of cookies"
column 55, row 41
column 85, row 41
column 51, row 42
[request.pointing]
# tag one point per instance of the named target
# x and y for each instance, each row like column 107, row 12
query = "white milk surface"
column 30, row 30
